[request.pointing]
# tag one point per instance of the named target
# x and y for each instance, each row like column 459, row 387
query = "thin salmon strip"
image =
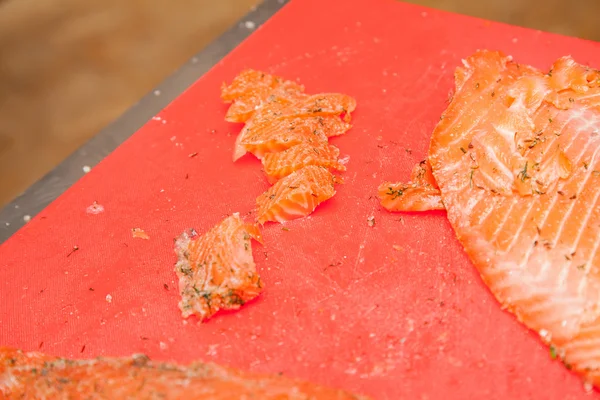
column 269, row 132
column 517, row 159
column 421, row 193
column 39, row 376
column 297, row 195
column 279, row 115
column 251, row 89
column 280, row 165
column 216, row 271
column 277, row 127
column 323, row 104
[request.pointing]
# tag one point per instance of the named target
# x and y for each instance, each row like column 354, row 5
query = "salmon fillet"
column 36, row 376
column 516, row 157
column 280, row 165
column 297, row 195
column 216, row 271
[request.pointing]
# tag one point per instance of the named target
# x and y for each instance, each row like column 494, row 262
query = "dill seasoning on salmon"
column 297, row 195
column 35, row 375
column 421, row 193
column 528, row 205
column 216, row 271
column 278, row 114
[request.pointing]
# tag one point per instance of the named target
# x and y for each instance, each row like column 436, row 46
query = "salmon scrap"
column 297, row 195
column 517, row 159
column 33, row 375
column 289, row 131
column 280, row 165
column 276, row 126
column 280, row 119
column 251, row 89
column 421, row 193
column 269, row 133
column 216, row 271
column 265, row 133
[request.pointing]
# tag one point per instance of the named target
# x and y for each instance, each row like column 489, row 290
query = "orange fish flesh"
column 297, row 195
column 216, row 271
column 323, row 104
column 39, row 376
column 280, row 165
column 279, row 115
column 277, row 127
column 516, row 157
column 421, row 193
column 251, row 89
column 267, row 133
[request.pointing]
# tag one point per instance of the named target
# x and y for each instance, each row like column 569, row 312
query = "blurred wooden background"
column 70, row 67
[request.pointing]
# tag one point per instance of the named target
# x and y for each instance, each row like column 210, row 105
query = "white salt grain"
column 95, row 208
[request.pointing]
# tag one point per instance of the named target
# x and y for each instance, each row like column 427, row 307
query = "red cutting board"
column 394, row 310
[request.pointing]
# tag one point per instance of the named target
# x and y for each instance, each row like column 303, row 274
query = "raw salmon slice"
column 297, row 195
column 421, row 193
column 516, row 157
column 277, row 127
column 251, row 89
column 39, row 376
column 323, row 104
column 216, row 271
column 279, row 115
column 269, row 132
column 280, row 165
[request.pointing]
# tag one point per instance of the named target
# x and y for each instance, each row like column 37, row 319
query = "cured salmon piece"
column 251, row 89
column 279, row 115
column 269, row 132
column 421, row 193
column 279, row 165
column 39, row 376
column 216, row 271
column 517, row 159
column 323, row 104
column 297, row 195
column 277, row 127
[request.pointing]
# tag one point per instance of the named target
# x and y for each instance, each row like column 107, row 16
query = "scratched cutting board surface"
column 394, row 310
